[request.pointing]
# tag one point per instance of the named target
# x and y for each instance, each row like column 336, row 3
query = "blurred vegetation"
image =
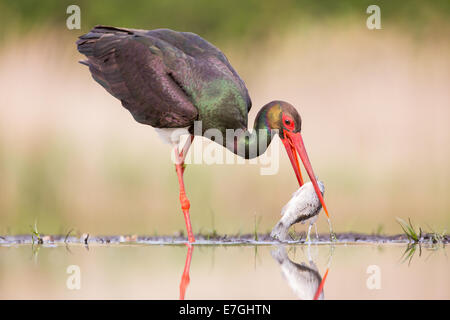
column 232, row 19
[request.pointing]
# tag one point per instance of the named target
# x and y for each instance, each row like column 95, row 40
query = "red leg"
column 184, row 201
column 184, row 151
column 185, row 277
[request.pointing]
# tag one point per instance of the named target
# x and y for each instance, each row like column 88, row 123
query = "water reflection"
column 304, row 279
column 185, row 276
column 412, row 248
column 246, row 272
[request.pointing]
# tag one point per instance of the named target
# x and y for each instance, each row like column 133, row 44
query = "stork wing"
column 197, row 47
column 141, row 71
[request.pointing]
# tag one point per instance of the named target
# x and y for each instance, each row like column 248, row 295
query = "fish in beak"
column 293, row 142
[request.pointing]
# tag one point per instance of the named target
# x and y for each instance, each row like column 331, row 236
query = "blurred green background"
column 231, row 20
column 375, row 106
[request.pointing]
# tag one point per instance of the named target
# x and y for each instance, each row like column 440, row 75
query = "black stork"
column 169, row 80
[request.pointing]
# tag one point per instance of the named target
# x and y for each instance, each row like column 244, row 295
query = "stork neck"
column 251, row 144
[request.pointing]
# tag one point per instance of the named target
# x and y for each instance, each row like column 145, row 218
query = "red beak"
column 293, row 142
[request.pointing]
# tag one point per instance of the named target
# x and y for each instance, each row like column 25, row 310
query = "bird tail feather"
column 99, row 47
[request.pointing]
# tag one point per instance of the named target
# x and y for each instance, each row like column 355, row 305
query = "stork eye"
column 288, row 122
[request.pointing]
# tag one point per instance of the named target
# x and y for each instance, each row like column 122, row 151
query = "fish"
column 303, row 207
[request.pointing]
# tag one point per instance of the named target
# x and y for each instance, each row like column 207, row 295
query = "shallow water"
column 361, row 271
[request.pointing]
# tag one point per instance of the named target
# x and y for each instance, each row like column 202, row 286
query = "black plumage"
column 166, row 78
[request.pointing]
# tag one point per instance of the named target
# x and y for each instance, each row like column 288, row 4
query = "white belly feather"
column 171, row 135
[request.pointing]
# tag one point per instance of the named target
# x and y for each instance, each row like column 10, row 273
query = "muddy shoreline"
column 214, row 239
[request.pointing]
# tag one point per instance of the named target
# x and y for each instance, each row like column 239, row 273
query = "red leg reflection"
column 185, row 277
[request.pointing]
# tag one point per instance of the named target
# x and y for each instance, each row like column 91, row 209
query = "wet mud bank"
column 260, row 239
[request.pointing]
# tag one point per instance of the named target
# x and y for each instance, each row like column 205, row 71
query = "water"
column 123, row 271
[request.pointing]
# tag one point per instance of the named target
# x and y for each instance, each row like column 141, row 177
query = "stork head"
column 283, row 117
